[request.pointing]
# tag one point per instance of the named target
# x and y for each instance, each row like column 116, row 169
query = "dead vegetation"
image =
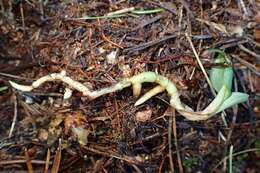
column 100, row 42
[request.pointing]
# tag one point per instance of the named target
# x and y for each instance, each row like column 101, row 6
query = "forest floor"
column 98, row 45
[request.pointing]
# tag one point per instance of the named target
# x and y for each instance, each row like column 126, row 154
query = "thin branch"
column 14, row 118
column 170, row 143
column 200, row 63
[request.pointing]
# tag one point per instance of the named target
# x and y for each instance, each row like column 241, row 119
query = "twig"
column 247, row 64
column 22, row 16
column 106, row 39
column 200, row 64
column 13, row 76
column 249, row 51
column 143, row 24
column 127, row 159
column 170, row 143
column 47, row 163
column 230, row 159
column 122, row 11
column 57, row 159
column 176, row 141
column 15, row 116
column 28, row 161
column 143, row 46
column 171, row 9
column 241, row 3
column 9, row 162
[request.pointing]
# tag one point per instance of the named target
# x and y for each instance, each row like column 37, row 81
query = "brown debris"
column 143, row 116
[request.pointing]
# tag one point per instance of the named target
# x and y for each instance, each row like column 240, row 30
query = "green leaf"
column 235, row 98
column 217, row 102
column 220, row 76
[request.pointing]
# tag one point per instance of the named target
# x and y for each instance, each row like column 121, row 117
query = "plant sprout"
column 223, row 76
column 221, row 79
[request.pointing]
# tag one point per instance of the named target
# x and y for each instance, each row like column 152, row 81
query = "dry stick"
column 243, row 7
column 176, row 141
column 113, row 43
column 249, row 51
column 57, row 159
column 13, row 76
column 122, row 11
column 253, row 41
column 106, row 39
column 180, row 14
column 143, row 46
column 15, row 116
column 170, row 143
column 137, row 169
column 28, row 161
column 247, row 64
column 125, row 158
column 250, row 81
column 9, row 162
column 118, row 118
column 200, row 64
column 47, row 163
column 22, row 16
column 145, row 23
column 171, row 9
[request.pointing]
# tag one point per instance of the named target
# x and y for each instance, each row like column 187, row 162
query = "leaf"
column 217, row 102
column 220, row 76
column 235, row 98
